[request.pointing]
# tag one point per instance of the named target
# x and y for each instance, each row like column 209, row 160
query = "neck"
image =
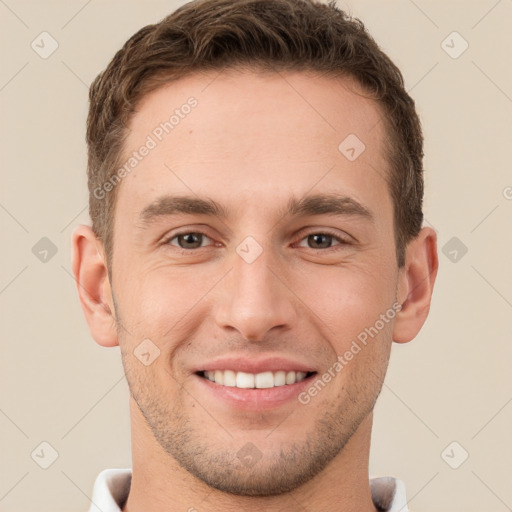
column 159, row 484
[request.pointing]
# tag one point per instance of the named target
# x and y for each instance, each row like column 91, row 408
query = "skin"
column 276, row 137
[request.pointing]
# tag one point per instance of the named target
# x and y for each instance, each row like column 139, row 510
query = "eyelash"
column 342, row 241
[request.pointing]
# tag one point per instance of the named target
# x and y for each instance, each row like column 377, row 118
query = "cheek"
column 165, row 303
column 350, row 300
column 161, row 302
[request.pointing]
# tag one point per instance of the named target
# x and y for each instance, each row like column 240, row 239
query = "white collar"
column 112, row 486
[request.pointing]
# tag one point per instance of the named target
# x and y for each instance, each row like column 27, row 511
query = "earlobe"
column 416, row 284
column 93, row 286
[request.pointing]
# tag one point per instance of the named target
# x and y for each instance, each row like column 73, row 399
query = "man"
column 255, row 179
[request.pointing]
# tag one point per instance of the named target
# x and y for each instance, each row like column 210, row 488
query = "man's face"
column 260, row 289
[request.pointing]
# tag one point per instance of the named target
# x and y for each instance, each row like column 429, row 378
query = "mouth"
column 262, row 380
column 267, row 382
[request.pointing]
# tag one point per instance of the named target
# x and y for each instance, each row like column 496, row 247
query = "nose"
column 255, row 298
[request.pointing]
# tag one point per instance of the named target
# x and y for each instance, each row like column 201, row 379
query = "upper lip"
column 253, row 365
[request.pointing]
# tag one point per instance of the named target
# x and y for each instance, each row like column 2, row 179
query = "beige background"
column 451, row 384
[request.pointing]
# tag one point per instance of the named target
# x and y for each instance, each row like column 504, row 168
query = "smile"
column 263, row 380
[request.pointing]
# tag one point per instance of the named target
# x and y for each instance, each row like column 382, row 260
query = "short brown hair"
column 275, row 35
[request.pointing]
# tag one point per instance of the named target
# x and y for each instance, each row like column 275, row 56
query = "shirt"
column 112, row 486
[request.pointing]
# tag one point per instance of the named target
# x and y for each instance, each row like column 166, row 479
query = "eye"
column 188, row 240
column 322, row 240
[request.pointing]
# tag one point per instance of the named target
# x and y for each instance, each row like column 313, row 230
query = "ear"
column 91, row 276
column 415, row 285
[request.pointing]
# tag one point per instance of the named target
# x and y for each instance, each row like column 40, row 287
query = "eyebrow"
column 318, row 204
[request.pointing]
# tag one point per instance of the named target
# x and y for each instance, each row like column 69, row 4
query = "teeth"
column 279, row 378
column 251, row 380
column 244, row 380
column 264, row 380
column 219, row 377
column 229, row 378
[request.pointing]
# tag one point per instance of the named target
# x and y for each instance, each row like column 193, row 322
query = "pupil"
column 317, row 240
column 192, row 238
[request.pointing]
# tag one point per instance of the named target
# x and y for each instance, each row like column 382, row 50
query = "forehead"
column 241, row 134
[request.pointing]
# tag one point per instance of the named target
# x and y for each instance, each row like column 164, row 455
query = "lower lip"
column 255, row 399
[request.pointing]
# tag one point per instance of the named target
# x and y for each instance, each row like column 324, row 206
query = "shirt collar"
column 112, row 486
